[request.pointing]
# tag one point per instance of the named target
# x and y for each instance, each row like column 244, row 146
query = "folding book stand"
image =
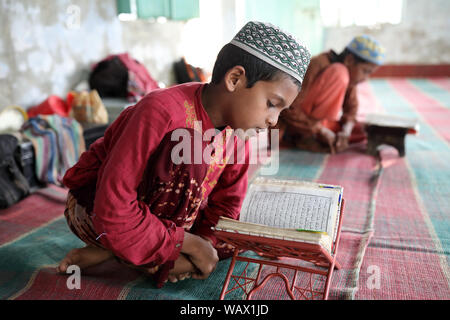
column 393, row 136
column 382, row 129
column 324, row 262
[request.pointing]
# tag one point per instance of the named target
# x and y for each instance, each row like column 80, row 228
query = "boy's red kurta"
column 114, row 165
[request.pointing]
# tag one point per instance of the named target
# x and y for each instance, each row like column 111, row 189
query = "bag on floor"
column 25, row 157
column 110, row 78
column 184, row 72
column 52, row 105
column 13, row 184
column 120, row 75
column 58, row 143
column 87, row 107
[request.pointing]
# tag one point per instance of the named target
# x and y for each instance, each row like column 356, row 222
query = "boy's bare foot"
column 83, row 258
column 145, row 270
column 183, row 269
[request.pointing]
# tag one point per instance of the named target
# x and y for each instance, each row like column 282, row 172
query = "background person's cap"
column 367, row 48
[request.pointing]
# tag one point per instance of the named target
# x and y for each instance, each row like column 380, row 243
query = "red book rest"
column 323, row 263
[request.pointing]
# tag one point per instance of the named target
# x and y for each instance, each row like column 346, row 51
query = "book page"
column 292, row 207
column 386, row 120
column 289, row 210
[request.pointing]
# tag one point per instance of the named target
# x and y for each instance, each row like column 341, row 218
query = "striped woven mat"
column 395, row 239
column 396, row 232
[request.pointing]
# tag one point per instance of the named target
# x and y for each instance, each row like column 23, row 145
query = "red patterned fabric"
column 112, row 171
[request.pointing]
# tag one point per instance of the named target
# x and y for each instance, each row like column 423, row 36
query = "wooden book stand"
column 378, row 135
column 390, row 130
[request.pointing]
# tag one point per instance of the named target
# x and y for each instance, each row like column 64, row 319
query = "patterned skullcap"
column 367, row 48
column 275, row 47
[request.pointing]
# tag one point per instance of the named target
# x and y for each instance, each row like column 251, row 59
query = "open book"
column 289, row 210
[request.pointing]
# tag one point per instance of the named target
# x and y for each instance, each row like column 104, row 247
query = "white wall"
column 45, row 46
column 156, row 45
column 422, row 37
column 48, row 46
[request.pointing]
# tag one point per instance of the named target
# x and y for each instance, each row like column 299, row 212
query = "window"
column 169, row 9
column 342, row 13
column 301, row 18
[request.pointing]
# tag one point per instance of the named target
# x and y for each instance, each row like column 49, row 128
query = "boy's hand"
column 341, row 142
column 182, row 269
column 329, row 137
column 201, row 253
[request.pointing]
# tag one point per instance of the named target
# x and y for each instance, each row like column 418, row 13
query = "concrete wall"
column 421, row 38
column 156, row 45
column 48, row 46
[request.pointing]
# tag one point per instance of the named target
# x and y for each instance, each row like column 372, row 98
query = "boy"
column 128, row 199
column 329, row 88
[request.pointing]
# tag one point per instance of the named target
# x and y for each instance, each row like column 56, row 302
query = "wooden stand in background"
column 390, row 130
column 378, row 135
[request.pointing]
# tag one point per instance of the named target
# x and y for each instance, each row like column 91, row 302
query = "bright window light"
column 342, row 13
column 203, row 37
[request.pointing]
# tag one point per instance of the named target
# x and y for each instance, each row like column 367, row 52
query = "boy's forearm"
column 190, row 243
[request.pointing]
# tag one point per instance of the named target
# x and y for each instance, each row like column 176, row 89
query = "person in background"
column 323, row 116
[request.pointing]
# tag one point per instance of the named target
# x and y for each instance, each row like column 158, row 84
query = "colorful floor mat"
column 395, row 241
column 411, row 242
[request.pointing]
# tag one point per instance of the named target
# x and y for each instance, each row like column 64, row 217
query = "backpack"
column 121, row 76
column 110, row 78
column 184, row 72
column 13, row 185
column 25, row 157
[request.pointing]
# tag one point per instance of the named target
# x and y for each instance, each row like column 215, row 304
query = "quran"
column 289, row 210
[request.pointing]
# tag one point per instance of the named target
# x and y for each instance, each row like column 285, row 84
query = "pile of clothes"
column 38, row 145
